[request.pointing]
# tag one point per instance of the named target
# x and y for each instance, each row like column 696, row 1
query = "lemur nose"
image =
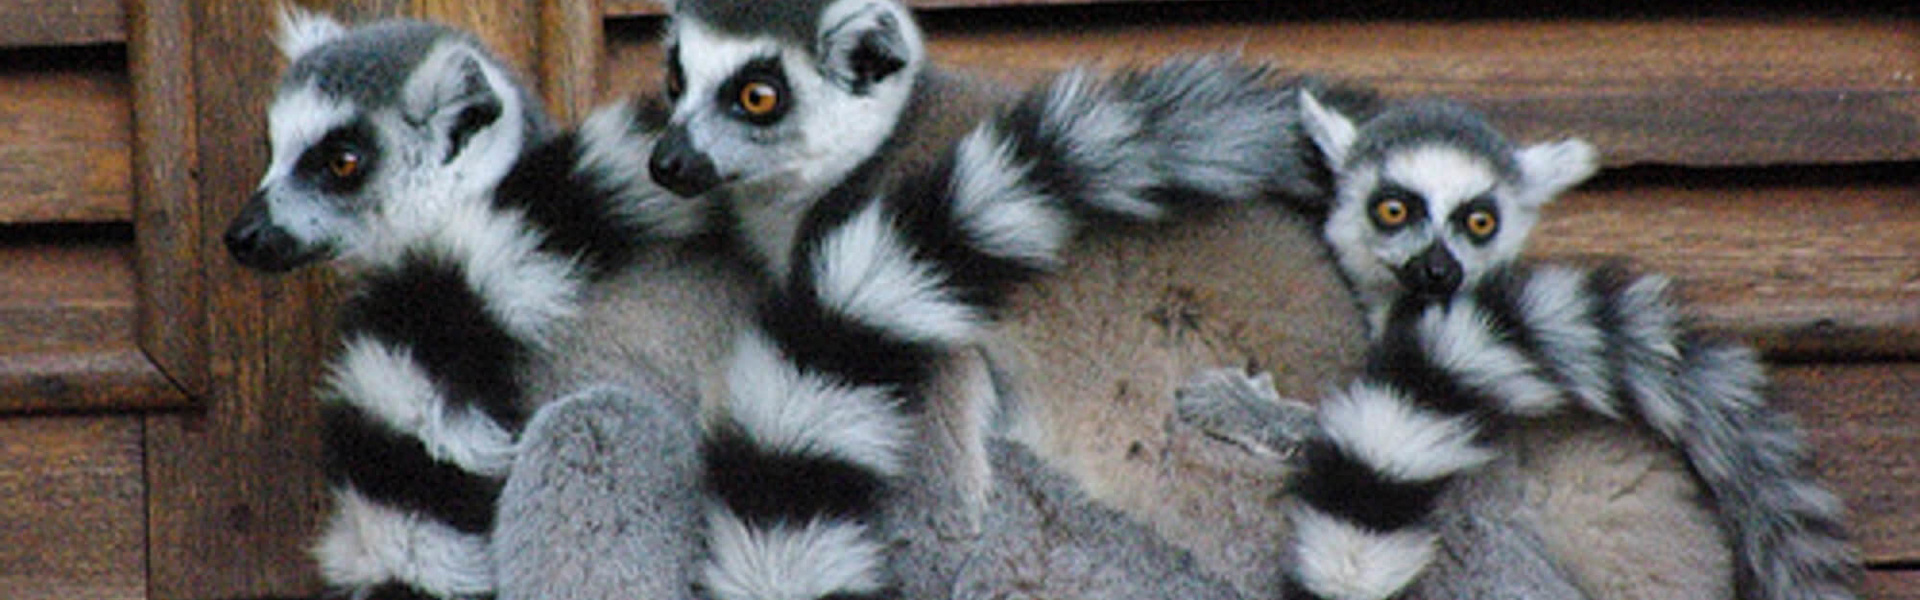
column 681, row 168
column 1433, row 273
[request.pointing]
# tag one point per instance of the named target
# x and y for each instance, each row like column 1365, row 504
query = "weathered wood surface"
column 635, row 8
column 66, row 331
column 63, row 136
column 170, row 231
column 1864, row 420
column 1891, row 585
column 234, row 486
column 64, row 23
column 72, row 510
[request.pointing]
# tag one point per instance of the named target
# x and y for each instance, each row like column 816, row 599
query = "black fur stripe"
column 1605, row 286
column 396, row 470
column 1346, row 487
column 1034, row 143
column 924, row 214
column 763, row 486
column 1399, row 359
column 825, row 342
column 426, row 306
column 576, row 216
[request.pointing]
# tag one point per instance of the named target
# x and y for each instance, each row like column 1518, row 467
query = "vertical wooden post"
column 234, row 487
column 572, row 44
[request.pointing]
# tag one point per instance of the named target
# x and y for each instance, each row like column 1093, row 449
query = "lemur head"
column 778, row 101
column 1429, row 197
column 377, row 133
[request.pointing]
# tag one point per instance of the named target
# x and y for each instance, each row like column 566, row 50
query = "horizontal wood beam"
column 63, row 23
column 65, row 125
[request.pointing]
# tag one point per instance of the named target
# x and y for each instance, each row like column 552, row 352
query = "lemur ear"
column 865, row 41
column 452, row 94
column 1548, row 169
column 300, row 30
column 1331, row 131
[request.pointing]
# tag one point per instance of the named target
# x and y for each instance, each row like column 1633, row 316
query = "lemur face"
column 372, row 154
column 775, row 113
column 1428, row 197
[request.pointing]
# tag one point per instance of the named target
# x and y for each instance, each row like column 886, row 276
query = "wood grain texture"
column 66, row 332
column 1718, row 91
column 572, row 42
column 235, row 486
column 1865, row 424
column 64, row 129
column 63, row 23
column 71, row 509
column 1807, row 264
column 1891, row 585
column 642, row 8
column 169, row 220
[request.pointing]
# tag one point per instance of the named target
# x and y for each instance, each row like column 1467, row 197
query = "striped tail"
column 1530, row 342
column 422, row 407
column 1617, row 343
column 822, row 397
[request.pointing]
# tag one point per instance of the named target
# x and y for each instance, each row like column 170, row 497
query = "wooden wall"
column 156, row 438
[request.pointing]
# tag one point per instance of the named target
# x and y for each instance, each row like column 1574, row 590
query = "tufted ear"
column 300, row 30
column 1331, row 131
column 863, row 42
column 451, row 94
column 1548, row 169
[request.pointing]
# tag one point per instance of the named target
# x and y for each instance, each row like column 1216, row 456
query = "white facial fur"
column 771, row 172
column 413, row 190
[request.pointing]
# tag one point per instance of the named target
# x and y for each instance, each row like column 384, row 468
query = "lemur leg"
column 1246, row 411
column 603, row 501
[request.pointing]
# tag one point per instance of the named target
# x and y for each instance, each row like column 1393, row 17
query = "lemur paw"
column 1246, row 411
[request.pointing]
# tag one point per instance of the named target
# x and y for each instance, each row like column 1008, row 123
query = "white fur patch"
column 790, row 563
column 386, row 383
column 1338, row 560
column 862, row 270
column 366, row 544
column 783, row 408
column 616, row 156
column 1397, row 438
column 1445, row 175
column 1556, row 306
column 1004, row 216
column 299, row 118
column 1460, row 341
column 300, row 31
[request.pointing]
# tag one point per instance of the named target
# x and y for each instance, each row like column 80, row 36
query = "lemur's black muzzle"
column 256, row 243
column 1434, row 273
column 679, row 167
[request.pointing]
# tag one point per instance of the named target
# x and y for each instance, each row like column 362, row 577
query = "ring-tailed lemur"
column 1431, row 208
column 503, row 275
column 524, row 303
column 758, row 87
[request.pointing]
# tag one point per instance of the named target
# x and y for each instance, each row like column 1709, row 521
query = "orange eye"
column 759, row 99
column 1482, row 224
column 344, row 165
column 1390, row 213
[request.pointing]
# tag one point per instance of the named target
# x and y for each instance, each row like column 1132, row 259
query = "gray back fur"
column 370, row 66
column 795, row 22
column 1434, row 122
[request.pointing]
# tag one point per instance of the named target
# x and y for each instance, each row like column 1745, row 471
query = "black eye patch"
column 1478, row 219
column 342, row 161
column 749, row 87
column 1393, row 207
column 676, row 74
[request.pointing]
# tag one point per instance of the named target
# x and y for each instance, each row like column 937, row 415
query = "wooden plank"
column 66, row 331
column 234, row 486
column 64, row 138
column 1718, row 91
column 1805, row 263
column 64, row 23
column 70, row 508
column 572, row 40
column 169, row 221
column 1891, row 585
column 1865, row 426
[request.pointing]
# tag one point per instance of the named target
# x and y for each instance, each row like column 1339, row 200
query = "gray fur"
column 370, row 65
column 598, row 504
column 796, row 22
column 1433, row 122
